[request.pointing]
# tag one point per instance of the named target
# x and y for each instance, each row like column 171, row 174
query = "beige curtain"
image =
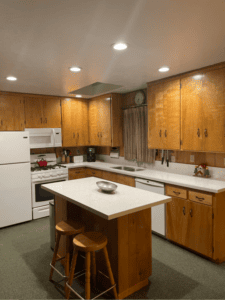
column 136, row 135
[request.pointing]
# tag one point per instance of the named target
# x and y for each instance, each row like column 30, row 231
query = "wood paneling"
column 77, row 173
column 117, row 120
column 11, row 112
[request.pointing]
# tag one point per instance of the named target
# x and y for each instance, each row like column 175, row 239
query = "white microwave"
column 45, row 137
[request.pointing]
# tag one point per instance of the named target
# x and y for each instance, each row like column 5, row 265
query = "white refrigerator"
column 15, row 178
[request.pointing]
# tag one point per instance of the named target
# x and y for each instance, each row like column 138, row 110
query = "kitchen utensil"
column 106, row 186
column 162, row 156
column 42, row 163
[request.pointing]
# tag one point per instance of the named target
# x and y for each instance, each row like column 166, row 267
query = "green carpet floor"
column 25, row 255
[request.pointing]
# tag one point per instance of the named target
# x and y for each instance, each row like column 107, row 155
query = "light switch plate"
column 192, row 158
column 172, row 158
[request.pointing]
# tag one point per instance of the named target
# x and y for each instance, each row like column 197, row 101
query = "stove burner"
column 49, row 167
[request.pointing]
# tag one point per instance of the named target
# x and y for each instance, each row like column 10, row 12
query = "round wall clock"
column 139, row 98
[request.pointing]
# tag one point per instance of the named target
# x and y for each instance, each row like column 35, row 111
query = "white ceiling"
column 41, row 39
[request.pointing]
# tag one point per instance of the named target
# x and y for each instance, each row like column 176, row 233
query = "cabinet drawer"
column 76, row 173
column 94, row 172
column 200, row 198
column 176, row 192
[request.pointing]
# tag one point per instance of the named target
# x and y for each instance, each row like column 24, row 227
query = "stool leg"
column 67, row 260
column 55, row 254
column 87, row 276
column 110, row 271
column 93, row 268
column 73, row 265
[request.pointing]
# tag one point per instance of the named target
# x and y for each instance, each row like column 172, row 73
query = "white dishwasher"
column 159, row 211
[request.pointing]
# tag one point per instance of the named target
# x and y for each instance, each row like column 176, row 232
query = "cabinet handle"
column 78, row 135
column 101, row 134
column 177, row 193
column 77, row 172
column 184, row 210
column 73, row 135
column 201, row 199
column 46, row 120
column 165, row 133
column 160, row 132
column 191, row 213
column 198, row 132
column 206, row 133
column 98, row 134
column 1, row 122
column 41, row 120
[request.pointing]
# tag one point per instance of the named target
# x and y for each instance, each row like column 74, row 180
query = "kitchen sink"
column 130, row 169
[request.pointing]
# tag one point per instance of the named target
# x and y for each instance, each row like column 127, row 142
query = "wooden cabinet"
column 203, row 111
column 105, row 120
column 77, row 173
column 123, row 179
column 74, row 122
column 42, row 112
column 190, row 223
column 11, row 112
column 94, row 173
column 164, row 115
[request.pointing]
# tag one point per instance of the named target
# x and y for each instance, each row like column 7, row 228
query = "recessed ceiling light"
column 75, row 69
column 11, row 78
column 78, row 96
column 108, row 98
column 164, row 69
column 197, row 77
column 120, row 46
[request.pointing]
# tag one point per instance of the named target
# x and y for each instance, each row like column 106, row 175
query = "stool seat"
column 69, row 227
column 90, row 241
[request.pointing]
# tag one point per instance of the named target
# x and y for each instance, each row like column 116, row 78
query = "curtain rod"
column 134, row 106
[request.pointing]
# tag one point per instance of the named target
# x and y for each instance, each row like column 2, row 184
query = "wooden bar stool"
column 89, row 242
column 67, row 228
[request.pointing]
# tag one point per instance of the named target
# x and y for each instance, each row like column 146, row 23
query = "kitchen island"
column 123, row 216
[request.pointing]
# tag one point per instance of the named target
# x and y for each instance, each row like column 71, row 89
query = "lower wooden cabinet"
column 190, row 223
column 77, row 173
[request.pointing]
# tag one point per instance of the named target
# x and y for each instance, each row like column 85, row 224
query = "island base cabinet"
column 129, row 245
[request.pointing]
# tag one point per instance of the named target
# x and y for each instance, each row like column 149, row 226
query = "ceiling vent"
column 96, row 88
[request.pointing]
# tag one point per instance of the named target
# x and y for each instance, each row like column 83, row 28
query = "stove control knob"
column 40, row 176
column 46, row 175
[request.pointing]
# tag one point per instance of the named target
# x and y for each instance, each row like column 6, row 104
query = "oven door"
column 41, row 197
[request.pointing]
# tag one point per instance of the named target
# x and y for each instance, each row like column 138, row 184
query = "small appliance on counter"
column 91, row 155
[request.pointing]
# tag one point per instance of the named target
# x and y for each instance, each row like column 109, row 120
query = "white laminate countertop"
column 86, row 194
column 203, row 184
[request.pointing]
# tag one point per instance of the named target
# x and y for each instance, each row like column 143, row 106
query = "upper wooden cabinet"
column 11, row 112
column 203, row 112
column 105, row 120
column 74, row 122
column 42, row 112
column 164, row 115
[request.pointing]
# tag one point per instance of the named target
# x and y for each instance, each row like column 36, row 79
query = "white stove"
column 53, row 172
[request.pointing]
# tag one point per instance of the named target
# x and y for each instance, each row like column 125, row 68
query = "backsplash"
column 175, row 168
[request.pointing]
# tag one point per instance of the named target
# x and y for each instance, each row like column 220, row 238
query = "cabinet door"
column 213, row 100
column 171, row 115
column 177, row 220
column 68, row 139
column 94, row 173
column 81, row 116
column 11, row 113
column 200, row 228
column 104, row 119
column 94, row 129
column 34, row 112
column 191, row 114
column 155, row 116
column 51, row 112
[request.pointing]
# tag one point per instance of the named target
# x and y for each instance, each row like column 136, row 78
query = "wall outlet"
column 192, row 158
column 172, row 158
